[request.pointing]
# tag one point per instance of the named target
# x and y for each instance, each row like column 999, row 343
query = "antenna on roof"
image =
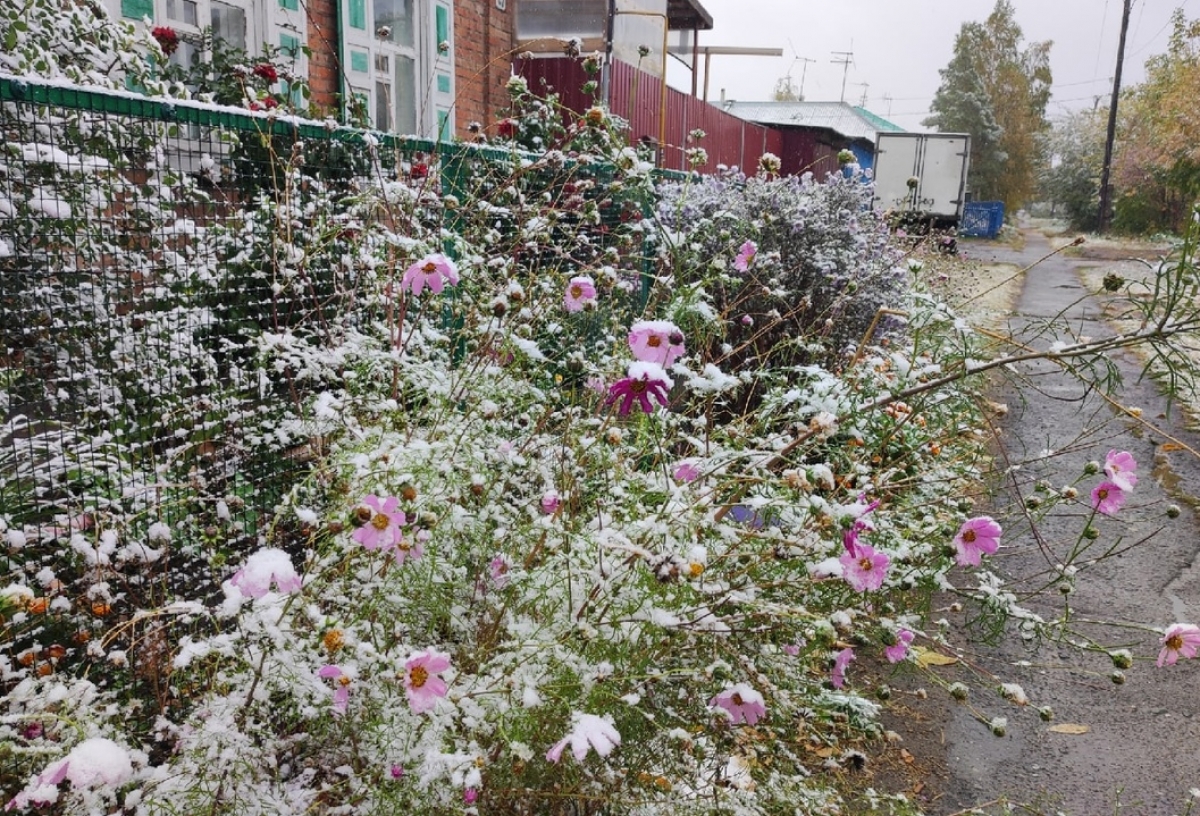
column 845, row 59
column 862, row 103
column 803, row 71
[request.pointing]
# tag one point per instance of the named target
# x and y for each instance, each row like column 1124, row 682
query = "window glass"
column 406, row 96
column 184, row 11
column 383, row 106
column 358, row 14
column 229, row 25
column 137, row 9
column 394, row 21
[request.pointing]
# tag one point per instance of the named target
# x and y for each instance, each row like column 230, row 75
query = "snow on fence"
column 161, row 264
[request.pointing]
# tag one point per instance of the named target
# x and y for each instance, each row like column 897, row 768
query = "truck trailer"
column 922, row 177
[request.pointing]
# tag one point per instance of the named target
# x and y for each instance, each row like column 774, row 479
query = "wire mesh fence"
column 160, row 261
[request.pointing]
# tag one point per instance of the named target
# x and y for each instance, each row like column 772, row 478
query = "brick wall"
column 323, row 68
column 483, row 44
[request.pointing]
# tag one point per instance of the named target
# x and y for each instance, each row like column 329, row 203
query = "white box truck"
column 924, row 174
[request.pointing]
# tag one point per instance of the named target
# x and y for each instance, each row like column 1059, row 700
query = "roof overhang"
column 688, row 14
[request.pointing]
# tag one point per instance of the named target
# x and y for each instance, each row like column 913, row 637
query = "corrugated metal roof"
column 840, row 117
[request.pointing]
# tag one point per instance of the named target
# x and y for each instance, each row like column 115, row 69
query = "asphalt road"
column 1141, row 751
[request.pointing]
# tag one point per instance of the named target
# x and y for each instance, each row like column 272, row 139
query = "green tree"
column 1075, row 150
column 996, row 89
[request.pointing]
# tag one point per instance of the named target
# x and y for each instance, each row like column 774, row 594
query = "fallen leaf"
column 1070, row 728
column 917, row 788
column 928, row 657
column 1167, row 447
column 906, row 756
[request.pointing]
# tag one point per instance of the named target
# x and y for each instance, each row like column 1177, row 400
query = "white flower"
column 589, row 731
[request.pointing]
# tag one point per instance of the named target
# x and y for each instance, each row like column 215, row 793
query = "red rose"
column 267, row 71
column 507, row 128
column 167, row 39
column 270, row 102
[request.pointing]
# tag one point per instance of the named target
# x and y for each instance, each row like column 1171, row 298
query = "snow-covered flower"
column 384, row 518
column 864, row 569
column 742, row 702
column 341, row 691
column 1108, row 498
column 686, row 472
column 422, row 686
column 265, row 567
column 976, row 537
column 840, row 661
column 91, row 763
column 581, row 292
column 745, row 255
column 899, row 650
column 656, row 341
column 589, row 732
column 643, row 382
column 550, row 502
column 434, row 271
column 498, row 571
column 1180, row 640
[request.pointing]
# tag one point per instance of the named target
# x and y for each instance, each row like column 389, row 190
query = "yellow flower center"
column 1175, row 642
column 404, row 545
column 344, row 680
column 865, row 563
column 380, row 521
column 429, row 268
column 654, row 341
column 737, row 700
column 696, row 569
column 1102, row 493
column 417, row 676
column 576, row 291
column 969, row 536
column 638, row 386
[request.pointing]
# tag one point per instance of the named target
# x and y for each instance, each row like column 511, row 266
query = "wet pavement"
column 1140, row 753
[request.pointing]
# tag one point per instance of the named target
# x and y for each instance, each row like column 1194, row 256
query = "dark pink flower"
column 341, row 691
column 850, row 536
column 1108, row 498
column 434, row 270
column 644, row 381
column 1121, row 469
column 656, row 341
column 686, row 472
column 792, row 649
column 865, row 569
column 422, row 686
column 743, row 704
column 1180, row 640
column 397, row 771
column 581, row 291
column 977, row 536
column 470, row 795
column 550, row 502
column 745, row 255
column 899, row 650
column 382, row 530
column 498, row 570
column 840, row 661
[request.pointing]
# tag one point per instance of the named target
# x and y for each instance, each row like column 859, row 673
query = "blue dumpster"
column 982, row 219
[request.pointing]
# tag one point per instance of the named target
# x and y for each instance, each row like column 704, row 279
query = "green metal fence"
column 157, row 258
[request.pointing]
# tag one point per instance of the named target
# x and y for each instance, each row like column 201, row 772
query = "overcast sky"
column 899, row 46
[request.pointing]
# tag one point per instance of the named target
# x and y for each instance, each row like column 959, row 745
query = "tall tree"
column 997, row 90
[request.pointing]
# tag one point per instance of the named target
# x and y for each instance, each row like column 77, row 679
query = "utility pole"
column 888, row 99
column 846, row 57
column 1105, row 174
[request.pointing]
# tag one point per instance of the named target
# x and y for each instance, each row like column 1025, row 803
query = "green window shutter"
column 444, row 126
column 358, row 14
column 443, row 83
column 443, row 24
column 290, row 5
column 290, row 45
column 359, row 61
column 137, row 9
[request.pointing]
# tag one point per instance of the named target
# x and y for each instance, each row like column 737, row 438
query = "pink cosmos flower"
column 850, row 536
column 265, row 567
column 1180, row 640
column 421, row 685
column 550, row 502
column 686, row 472
column 1121, row 469
column 498, row 570
column 899, row 650
column 470, row 795
column 581, row 291
column 840, row 661
column 792, row 649
column 589, row 731
column 745, row 255
column 865, row 569
column 341, row 693
column 434, row 270
column 95, row 762
column 397, row 771
column 1108, row 498
column 382, row 529
column 743, row 703
column 656, row 341
column 643, row 382
column 977, row 536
